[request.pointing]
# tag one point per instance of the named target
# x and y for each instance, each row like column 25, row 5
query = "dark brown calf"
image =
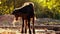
column 26, row 13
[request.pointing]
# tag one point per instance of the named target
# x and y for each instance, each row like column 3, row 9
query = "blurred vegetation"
column 43, row 8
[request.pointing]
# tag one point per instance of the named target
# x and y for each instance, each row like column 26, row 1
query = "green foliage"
column 43, row 8
column 47, row 8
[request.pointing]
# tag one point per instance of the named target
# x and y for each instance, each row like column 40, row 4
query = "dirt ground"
column 14, row 31
column 6, row 20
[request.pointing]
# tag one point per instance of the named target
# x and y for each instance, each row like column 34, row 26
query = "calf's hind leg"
column 33, row 26
column 22, row 26
column 29, row 26
column 25, row 26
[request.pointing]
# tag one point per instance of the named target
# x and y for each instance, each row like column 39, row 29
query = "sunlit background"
column 43, row 8
column 0, row 2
